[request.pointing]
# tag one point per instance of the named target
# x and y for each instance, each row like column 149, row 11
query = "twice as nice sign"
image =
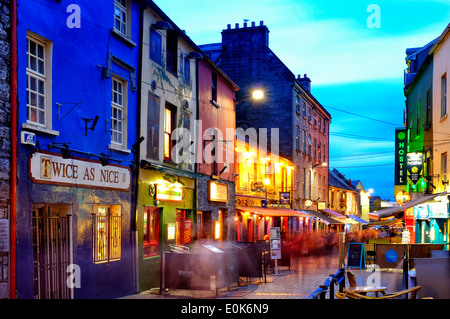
column 50, row 168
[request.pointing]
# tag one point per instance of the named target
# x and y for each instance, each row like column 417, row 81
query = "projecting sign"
column 400, row 157
column 414, row 166
column 50, row 168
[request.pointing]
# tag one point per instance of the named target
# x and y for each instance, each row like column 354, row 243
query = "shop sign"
column 50, row 168
column 415, row 167
column 438, row 210
column 402, row 197
column 169, row 193
column 217, row 192
column 400, row 157
column 187, row 231
column 257, row 187
column 285, row 197
column 421, row 211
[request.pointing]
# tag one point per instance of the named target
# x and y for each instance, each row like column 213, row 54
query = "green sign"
column 400, row 157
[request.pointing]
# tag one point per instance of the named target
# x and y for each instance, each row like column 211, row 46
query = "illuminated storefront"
column 432, row 222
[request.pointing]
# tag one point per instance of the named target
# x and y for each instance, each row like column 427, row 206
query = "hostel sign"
column 414, row 167
column 400, row 157
column 50, row 168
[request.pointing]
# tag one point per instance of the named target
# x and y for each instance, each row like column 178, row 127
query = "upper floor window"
column 169, row 123
column 309, row 114
column 444, row 95
column 297, row 105
column 39, row 83
column 297, row 139
column 172, row 52
column 214, row 87
column 155, row 46
column 429, row 115
column 304, row 110
column 120, row 16
column 118, row 112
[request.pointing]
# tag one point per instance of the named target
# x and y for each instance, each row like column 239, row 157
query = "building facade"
column 299, row 125
column 215, row 163
column 77, row 96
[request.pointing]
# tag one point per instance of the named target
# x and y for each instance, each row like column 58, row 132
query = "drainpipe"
column 12, row 255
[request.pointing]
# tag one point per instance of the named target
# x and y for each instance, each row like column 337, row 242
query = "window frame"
column 444, row 95
column 155, row 53
column 168, row 131
column 123, row 7
column 124, row 110
column 172, row 52
column 111, row 218
column 45, row 78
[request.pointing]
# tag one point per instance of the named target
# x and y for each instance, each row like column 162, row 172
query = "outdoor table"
column 366, row 289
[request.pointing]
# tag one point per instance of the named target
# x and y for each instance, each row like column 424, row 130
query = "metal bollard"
column 332, row 287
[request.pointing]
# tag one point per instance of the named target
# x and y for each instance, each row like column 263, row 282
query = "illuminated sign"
column 50, row 168
column 402, row 197
column 170, row 193
column 414, row 167
column 218, row 192
column 400, row 157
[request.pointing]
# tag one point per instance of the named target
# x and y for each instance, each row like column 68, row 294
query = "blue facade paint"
column 81, row 61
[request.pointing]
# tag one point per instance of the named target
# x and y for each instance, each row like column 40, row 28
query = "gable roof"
column 336, row 179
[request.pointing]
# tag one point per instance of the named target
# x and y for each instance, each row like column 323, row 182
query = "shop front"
column 432, row 222
column 165, row 217
column 74, row 219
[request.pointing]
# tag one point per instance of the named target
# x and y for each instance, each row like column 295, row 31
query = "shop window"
column 107, row 224
column 151, row 232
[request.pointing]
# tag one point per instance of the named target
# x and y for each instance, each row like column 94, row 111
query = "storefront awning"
column 322, row 217
column 389, row 222
column 275, row 212
column 360, row 220
column 417, row 201
column 331, row 212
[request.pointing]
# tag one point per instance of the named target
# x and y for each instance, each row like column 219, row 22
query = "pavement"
column 298, row 281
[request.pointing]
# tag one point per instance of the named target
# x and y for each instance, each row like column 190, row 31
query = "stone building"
column 5, row 144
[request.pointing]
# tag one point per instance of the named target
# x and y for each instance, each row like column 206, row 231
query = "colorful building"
column 77, row 96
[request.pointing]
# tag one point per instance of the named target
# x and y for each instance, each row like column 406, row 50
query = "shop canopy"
column 322, row 217
column 394, row 210
column 360, row 220
column 332, row 212
column 274, row 212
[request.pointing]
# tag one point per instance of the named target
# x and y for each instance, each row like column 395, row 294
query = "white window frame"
column 46, row 79
column 121, row 106
column 444, row 95
column 125, row 7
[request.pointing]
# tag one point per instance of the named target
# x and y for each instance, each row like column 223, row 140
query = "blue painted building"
column 78, row 87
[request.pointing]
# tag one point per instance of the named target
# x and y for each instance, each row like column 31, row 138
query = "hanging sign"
column 414, row 167
column 400, row 157
column 51, row 168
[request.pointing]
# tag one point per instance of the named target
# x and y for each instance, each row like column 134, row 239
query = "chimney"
column 305, row 82
column 249, row 33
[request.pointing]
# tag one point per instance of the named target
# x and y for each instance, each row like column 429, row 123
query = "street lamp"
column 256, row 95
column 320, row 164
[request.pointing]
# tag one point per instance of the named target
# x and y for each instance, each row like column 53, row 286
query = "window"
column 309, row 145
column 320, row 124
column 214, row 87
column 315, row 149
column 38, row 82
column 297, row 105
column 118, row 113
column 172, row 52
column 304, row 183
column 323, row 152
column 120, row 16
column 155, row 46
column 297, row 139
column 107, row 233
column 151, row 232
column 418, row 119
column 444, row 167
column 319, row 155
column 429, row 110
column 187, row 71
column 315, row 119
column 304, row 141
column 309, row 114
column 444, row 95
column 169, row 121
column 304, row 110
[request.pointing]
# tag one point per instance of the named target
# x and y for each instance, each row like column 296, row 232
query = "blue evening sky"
column 353, row 68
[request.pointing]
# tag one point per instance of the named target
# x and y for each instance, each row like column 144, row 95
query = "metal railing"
column 328, row 286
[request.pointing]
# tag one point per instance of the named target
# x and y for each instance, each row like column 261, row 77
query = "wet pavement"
column 304, row 276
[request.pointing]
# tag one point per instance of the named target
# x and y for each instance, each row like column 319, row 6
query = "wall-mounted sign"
column 187, row 231
column 414, row 167
column 4, row 235
column 257, row 187
column 400, row 157
column 217, row 192
column 169, row 193
column 50, row 168
column 28, row 138
column 285, row 197
column 308, row 203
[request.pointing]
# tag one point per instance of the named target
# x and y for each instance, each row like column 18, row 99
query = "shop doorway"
column 52, row 253
column 204, row 225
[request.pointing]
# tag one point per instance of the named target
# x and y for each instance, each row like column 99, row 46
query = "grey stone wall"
column 5, row 132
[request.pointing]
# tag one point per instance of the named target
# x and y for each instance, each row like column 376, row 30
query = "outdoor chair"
column 351, row 279
column 411, row 291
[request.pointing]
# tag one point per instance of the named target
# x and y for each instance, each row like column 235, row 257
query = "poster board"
column 275, row 243
column 356, row 256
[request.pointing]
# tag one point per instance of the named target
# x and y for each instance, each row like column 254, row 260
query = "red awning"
column 275, row 212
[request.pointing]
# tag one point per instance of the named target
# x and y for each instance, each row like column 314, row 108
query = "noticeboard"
column 356, row 258
column 275, row 243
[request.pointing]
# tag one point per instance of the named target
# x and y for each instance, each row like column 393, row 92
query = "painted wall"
column 79, row 61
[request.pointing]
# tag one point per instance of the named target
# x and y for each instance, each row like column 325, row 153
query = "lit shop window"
column 107, row 222
column 151, row 232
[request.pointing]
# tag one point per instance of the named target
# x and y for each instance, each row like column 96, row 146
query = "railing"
column 328, row 286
